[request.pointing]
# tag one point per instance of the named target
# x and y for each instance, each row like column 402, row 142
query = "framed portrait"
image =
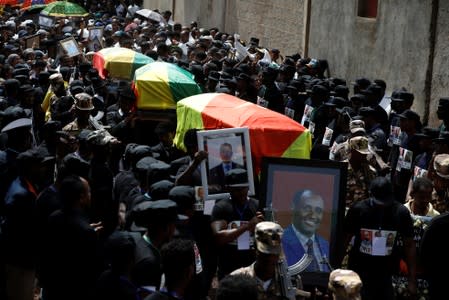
column 227, row 149
column 95, row 32
column 94, row 45
column 307, row 198
column 70, row 46
column 32, row 41
column 46, row 22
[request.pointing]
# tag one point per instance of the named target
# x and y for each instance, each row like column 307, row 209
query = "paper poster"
column 262, row 102
column 243, row 241
column 199, row 196
column 311, row 127
column 395, row 132
column 289, row 112
column 307, row 114
column 377, row 242
column 405, row 159
column 327, row 137
column 419, row 172
column 208, row 207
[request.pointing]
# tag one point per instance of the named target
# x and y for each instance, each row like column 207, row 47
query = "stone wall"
column 393, row 47
column 397, row 46
column 278, row 24
column 440, row 75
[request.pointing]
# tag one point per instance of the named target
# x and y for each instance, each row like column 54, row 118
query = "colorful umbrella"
column 35, row 4
column 10, row 2
column 160, row 85
column 271, row 134
column 149, row 14
column 64, row 9
column 119, row 63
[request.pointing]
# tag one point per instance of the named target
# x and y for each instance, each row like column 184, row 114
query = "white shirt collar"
column 302, row 238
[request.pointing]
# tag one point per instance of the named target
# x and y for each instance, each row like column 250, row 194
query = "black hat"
column 184, row 196
column 127, row 92
column 34, row 156
column 26, row 88
column 244, row 77
column 155, row 212
column 20, row 71
column 164, row 127
column 16, row 124
column 160, row 189
column 336, row 102
column 358, row 97
column 428, row 133
column 367, row 111
column 410, row 115
column 236, row 178
column 11, row 82
column 136, row 152
column 12, row 113
column 254, row 42
column 372, row 89
column 443, row 138
column 381, row 191
column 362, row 82
column 340, row 90
column 402, row 96
column 319, row 90
column 443, row 101
column 339, row 81
column 244, row 68
column 158, row 171
column 144, row 163
column 214, row 76
column 74, row 164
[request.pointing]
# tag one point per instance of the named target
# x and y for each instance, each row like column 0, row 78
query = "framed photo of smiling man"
column 306, row 197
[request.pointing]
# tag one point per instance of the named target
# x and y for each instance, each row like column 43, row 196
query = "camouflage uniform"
column 273, row 290
column 357, row 184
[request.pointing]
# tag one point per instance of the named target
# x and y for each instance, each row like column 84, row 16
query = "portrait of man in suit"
column 301, row 236
column 217, row 173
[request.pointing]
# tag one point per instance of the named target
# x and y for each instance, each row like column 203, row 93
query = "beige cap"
column 441, row 165
column 268, row 237
column 84, row 101
column 360, row 144
column 55, row 77
column 345, row 284
column 357, row 126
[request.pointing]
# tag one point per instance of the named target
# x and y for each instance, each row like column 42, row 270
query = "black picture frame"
column 282, row 178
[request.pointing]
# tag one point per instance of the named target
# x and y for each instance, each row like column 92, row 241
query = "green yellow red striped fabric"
column 271, row 134
column 120, row 63
column 160, row 85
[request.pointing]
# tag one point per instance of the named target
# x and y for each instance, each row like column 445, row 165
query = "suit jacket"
column 294, row 250
column 217, row 176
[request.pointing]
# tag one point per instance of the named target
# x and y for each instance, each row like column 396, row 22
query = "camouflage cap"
column 268, row 237
column 441, row 165
column 356, row 126
column 345, row 283
column 360, row 144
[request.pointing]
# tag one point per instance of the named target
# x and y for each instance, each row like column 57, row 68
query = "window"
column 367, row 8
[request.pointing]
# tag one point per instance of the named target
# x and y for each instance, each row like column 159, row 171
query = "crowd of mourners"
column 98, row 203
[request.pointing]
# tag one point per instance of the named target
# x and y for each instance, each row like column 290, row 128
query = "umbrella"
column 35, row 5
column 64, row 9
column 118, row 62
column 160, row 85
column 149, row 14
column 10, row 2
column 271, row 134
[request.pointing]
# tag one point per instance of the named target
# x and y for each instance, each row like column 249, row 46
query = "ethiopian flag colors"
column 160, row 85
column 120, row 63
column 271, row 134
